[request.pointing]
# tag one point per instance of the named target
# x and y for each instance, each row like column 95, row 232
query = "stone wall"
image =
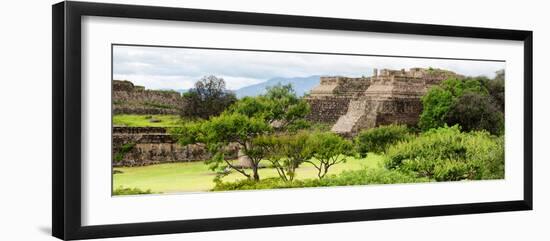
column 131, row 99
column 331, row 98
column 153, row 145
column 327, row 109
column 391, row 97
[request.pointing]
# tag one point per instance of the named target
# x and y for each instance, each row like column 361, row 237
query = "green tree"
column 209, row 98
column 439, row 100
column 474, row 112
column 227, row 128
column 328, row 149
column 288, row 152
column 279, row 107
column 378, row 139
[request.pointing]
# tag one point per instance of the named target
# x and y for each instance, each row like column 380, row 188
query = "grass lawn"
column 195, row 176
column 145, row 120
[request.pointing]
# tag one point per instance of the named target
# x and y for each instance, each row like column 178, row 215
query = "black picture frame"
column 66, row 127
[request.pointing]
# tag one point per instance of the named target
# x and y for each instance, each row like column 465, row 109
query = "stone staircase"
column 346, row 123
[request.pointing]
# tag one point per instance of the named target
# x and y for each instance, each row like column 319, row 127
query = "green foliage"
column 287, row 152
column 447, row 154
column 329, row 149
column 439, row 100
column 208, row 98
column 473, row 103
column 473, row 111
column 129, row 191
column 365, row 176
column 188, row 133
column 221, row 130
column 233, row 127
column 378, row 139
column 123, row 150
column 248, row 122
column 280, row 107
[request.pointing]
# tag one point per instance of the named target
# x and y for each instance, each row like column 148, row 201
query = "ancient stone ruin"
column 391, row 96
column 140, row 146
column 133, row 99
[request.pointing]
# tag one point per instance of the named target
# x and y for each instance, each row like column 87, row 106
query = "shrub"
column 439, row 100
column 129, row 191
column 378, row 139
column 347, row 178
column 447, row 154
column 474, row 111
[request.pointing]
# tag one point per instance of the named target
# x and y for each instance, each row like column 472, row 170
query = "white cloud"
column 179, row 68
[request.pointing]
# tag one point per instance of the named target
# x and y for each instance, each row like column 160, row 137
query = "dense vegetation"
column 472, row 103
column 377, row 140
column 447, row 154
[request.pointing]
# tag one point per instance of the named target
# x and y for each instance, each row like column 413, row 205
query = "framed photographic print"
column 169, row 120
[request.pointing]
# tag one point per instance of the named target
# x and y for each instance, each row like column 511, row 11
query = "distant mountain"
column 300, row 84
column 181, row 91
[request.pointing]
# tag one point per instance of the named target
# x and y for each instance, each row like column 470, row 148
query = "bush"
column 130, row 191
column 438, row 101
column 447, row 154
column 378, row 139
column 346, row 178
column 473, row 111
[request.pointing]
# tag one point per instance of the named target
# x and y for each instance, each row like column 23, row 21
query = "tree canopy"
column 473, row 103
column 208, row 98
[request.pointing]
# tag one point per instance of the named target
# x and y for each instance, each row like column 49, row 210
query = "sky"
column 180, row 68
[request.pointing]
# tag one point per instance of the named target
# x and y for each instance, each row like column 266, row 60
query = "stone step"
column 356, row 110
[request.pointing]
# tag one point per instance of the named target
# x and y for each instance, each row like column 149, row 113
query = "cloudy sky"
column 180, row 68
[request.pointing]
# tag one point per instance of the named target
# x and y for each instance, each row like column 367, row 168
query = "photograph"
column 195, row 120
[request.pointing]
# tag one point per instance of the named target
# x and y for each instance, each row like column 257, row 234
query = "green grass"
column 144, row 120
column 195, row 176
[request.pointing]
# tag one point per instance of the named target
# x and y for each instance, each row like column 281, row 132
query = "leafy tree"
column 439, row 100
column 288, row 152
column 209, row 98
column 328, row 149
column 221, row 130
column 279, row 107
column 378, row 139
column 474, row 111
